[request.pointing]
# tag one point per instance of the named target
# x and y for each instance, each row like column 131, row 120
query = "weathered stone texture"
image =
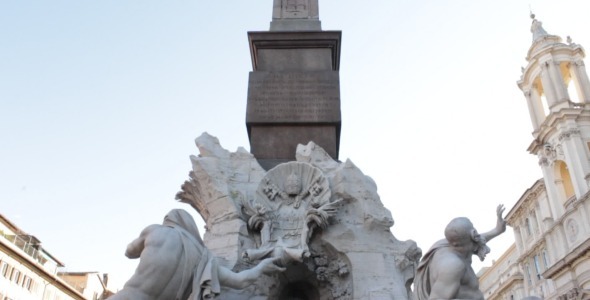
column 354, row 257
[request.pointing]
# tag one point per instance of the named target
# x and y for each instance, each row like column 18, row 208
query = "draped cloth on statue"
column 422, row 279
column 198, row 265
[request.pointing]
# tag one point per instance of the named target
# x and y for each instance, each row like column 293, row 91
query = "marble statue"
column 319, row 218
column 445, row 271
column 175, row 264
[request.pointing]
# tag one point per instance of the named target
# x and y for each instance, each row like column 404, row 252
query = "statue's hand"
column 501, row 223
column 268, row 266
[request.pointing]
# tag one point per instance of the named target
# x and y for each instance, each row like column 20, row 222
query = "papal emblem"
column 292, row 201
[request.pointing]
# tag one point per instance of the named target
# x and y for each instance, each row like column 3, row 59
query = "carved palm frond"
column 255, row 212
column 190, row 193
column 320, row 216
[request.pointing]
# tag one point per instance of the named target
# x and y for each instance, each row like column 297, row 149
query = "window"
column 537, row 266
column 527, row 225
column 15, row 275
column 534, row 222
column 527, row 270
column 27, row 283
column 3, row 269
column 572, row 83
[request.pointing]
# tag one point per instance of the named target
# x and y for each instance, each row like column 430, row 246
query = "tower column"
column 548, row 87
column 581, row 80
column 536, row 112
column 558, row 82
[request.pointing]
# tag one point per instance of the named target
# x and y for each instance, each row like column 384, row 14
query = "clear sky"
column 100, row 103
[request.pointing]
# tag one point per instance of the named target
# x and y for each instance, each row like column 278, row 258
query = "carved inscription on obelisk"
column 293, row 97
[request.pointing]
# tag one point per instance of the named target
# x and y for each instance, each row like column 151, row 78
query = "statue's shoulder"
column 446, row 258
column 152, row 228
column 155, row 230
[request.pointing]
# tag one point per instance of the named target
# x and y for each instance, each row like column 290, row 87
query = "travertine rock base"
column 325, row 219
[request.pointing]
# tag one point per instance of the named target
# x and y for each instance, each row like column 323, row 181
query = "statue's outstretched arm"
column 500, row 225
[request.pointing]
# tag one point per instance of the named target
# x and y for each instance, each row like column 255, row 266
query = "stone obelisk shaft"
column 294, row 88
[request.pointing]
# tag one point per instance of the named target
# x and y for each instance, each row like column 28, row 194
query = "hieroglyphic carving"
column 292, row 201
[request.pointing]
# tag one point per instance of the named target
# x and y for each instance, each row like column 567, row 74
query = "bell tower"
column 557, row 90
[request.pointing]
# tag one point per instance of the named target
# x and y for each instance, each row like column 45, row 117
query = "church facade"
column 551, row 220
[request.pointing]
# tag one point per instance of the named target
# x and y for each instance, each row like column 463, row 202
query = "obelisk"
column 294, row 87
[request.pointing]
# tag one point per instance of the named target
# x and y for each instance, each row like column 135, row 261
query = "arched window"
column 542, row 99
column 573, row 88
column 564, row 180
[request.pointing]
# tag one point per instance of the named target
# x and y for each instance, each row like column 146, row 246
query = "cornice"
column 548, row 127
column 569, row 211
column 523, row 204
column 569, row 260
column 29, row 263
column 535, row 248
column 329, row 39
column 511, row 281
column 558, row 52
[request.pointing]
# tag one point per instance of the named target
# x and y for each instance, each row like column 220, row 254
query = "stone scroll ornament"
column 292, row 201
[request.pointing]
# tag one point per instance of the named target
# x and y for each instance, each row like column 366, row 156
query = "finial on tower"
column 537, row 28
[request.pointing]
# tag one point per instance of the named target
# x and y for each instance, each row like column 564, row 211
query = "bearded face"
column 480, row 249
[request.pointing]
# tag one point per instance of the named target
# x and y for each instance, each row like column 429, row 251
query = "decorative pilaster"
column 518, row 238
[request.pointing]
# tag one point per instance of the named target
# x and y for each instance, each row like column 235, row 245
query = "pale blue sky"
column 100, row 103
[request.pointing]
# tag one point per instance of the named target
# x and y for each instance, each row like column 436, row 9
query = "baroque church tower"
column 557, row 91
column 551, row 220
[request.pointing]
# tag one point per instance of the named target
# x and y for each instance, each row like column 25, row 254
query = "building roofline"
column 34, row 266
column 525, row 196
column 21, row 232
